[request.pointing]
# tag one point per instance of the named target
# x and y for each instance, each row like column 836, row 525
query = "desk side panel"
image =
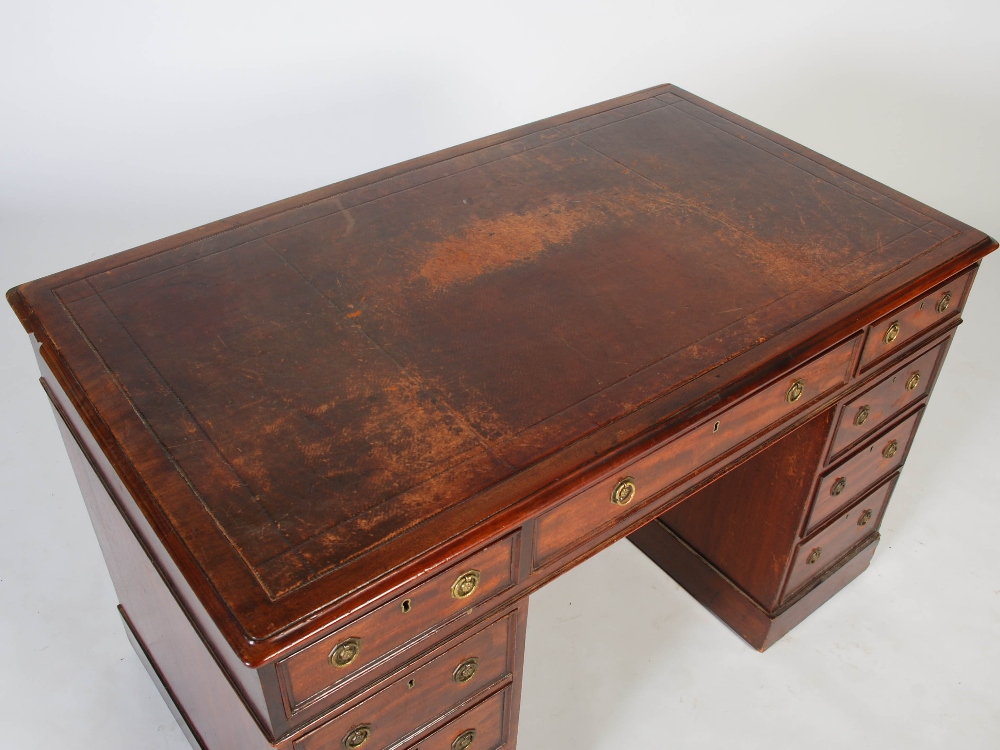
column 215, row 714
column 104, row 496
column 747, row 521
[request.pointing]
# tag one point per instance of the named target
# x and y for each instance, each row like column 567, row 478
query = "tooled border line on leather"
column 416, row 168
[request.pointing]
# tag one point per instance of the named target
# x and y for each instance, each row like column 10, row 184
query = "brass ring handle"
column 914, row 381
column 357, row 736
column 890, row 449
column 943, row 303
column 814, row 556
column 839, row 486
column 464, row 740
column 466, row 670
column 624, row 491
column 862, row 416
column 891, row 333
column 465, row 584
column 795, row 391
column 865, row 517
column 345, row 652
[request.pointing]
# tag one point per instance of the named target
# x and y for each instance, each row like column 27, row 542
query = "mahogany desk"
column 331, row 445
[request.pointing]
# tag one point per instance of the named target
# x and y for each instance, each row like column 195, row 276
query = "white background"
column 122, row 122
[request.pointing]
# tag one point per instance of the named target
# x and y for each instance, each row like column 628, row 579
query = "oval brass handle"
column 624, row 491
column 357, row 736
column 943, row 303
column 891, row 333
column 795, row 391
column 839, row 486
column 465, row 584
column 466, row 670
column 914, row 381
column 865, row 517
column 862, row 416
column 464, row 740
column 890, row 450
column 345, row 652
column 814, row 556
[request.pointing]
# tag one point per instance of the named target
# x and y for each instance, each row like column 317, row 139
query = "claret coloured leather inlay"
column 316, row 377
column 308, row 399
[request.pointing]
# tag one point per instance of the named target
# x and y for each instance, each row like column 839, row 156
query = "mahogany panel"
column 890, row 396
column 420, row 696
column 839, row 486
column 252, row 683
column 746, row 522
column 396, row 625
column 902, row 325
column 826, row 546
column 582, row 515
column 482, row 727
column 210, row 707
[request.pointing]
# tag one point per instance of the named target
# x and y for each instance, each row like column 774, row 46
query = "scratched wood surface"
column 310, row 395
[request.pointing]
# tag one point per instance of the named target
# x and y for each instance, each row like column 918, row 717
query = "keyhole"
column 716, row 428
column 410, row 684
column 405, row 606
column 921, row 305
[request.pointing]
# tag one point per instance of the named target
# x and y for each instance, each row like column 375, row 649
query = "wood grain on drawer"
column 397, row 624
column 576, row 518
column 889, row 396
column 839, row 486
column 422, row 695
column 824, row 548
column 480, row 728
column 910, row 321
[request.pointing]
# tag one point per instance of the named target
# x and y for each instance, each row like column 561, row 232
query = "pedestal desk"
column 331, row 445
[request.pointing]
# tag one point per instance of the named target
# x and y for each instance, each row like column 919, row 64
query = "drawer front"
column 817, row 554
column 897, row 390
column 906, row 323
column 842, row 484
column 357, row 649
column 603, row 503
column 479, row 728
column 421, row 695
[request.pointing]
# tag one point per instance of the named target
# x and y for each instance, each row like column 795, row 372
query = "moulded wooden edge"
column 728, row 602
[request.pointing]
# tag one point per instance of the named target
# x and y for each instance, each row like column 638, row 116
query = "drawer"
column 904, row 324
column 817, row 554
column 893, row 393
column 357, row 649
column 479, row 728
column 842, row 484
column 606, row 501
column 423, row 694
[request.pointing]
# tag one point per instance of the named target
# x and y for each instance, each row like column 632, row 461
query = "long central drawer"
column 606, row 501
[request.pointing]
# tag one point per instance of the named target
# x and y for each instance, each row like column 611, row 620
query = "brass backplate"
column 345, row 652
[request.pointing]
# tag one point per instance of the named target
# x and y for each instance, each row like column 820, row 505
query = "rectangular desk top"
column 334, row 392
